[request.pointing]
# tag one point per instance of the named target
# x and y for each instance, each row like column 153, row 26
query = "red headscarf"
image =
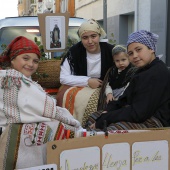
column 19, row 45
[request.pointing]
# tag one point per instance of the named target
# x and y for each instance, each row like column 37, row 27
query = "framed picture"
column 55, row 32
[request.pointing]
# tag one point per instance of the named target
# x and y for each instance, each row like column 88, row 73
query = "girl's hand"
column 94, row 83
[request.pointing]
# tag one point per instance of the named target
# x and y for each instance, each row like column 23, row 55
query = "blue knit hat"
column 144, row 37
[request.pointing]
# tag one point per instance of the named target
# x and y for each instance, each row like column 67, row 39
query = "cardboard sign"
column 155, row 141
column 54, row 30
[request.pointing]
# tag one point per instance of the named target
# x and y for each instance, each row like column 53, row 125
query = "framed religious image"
column 55, row 32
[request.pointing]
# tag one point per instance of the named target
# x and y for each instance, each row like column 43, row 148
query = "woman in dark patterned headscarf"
column 145, row 102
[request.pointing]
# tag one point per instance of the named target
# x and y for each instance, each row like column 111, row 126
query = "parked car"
column 28, row 26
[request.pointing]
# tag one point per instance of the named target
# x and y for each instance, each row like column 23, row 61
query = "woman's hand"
column 94, row 83
column 109, row 97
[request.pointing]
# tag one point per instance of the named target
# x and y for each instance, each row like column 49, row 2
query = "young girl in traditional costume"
column 145, row 102
column 29, row 117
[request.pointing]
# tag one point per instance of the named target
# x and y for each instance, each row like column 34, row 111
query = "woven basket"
column 52, row 69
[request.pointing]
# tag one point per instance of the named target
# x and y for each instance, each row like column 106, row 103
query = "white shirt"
column 108, row 89
column 94, row 65
column 93, row 70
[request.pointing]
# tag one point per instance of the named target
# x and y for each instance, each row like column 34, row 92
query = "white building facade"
column 126, row 16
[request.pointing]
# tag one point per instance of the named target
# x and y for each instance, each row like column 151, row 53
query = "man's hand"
column 94, row 83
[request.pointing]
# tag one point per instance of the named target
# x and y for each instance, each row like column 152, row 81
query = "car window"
column 72, row 33
column 7, row 34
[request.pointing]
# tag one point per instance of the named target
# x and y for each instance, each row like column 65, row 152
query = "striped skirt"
column 149, row 123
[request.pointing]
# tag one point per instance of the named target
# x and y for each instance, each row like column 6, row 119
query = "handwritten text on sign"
column 150, row 155
column 116, row 156
column 78, row 159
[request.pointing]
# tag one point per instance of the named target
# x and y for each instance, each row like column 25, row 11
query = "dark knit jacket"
column 116, row 80
column 147, row 95
column 76, row 57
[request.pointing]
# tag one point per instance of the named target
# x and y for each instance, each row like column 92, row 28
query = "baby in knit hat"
column 116, row 79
